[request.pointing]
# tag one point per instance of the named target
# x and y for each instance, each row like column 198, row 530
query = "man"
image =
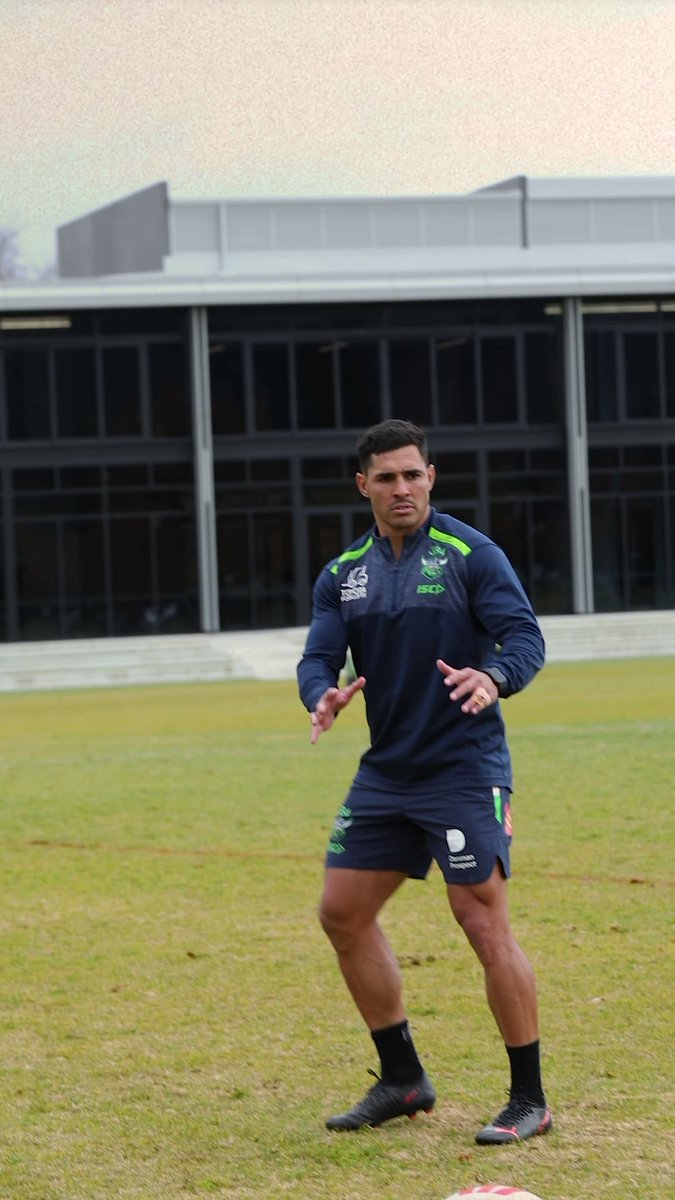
column 439, row 630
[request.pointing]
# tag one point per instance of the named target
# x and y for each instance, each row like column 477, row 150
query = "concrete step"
column 210, row 657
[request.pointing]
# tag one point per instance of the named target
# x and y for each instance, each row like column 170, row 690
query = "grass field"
column 172, row 1022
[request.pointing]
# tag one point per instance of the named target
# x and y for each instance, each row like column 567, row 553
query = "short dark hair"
column 390, row 435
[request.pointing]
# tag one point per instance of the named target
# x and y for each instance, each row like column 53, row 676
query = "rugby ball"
column 494, row 1189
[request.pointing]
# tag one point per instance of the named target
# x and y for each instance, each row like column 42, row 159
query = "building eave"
column 162, row 291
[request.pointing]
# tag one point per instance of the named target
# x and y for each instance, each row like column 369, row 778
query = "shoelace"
column 517, row 1107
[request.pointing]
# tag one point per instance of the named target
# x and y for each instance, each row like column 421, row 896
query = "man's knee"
column 340, row 920
column 481, row 912
column 352, row 900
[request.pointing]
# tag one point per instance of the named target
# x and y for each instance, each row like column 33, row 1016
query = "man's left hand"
column 476, row 689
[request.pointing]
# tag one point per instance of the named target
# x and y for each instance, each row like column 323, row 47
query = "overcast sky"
column 322, row 97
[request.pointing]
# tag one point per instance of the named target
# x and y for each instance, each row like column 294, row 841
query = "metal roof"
column 521, row 237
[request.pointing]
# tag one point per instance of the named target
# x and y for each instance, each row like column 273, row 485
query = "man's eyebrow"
column 407, row 471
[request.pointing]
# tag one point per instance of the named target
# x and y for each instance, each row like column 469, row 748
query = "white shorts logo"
column 455, row 839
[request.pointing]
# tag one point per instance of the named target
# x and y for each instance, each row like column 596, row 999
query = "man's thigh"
column 354, row 897
column 373, row 833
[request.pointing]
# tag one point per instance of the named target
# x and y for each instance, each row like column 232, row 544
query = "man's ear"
column 361, row 483
column 432, row 475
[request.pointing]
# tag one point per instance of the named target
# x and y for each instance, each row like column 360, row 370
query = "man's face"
column 398, row 484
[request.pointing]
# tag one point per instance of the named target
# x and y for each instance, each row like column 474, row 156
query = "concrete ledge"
column 273, row 654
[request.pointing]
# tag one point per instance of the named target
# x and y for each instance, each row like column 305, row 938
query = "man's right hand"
column 330, row 704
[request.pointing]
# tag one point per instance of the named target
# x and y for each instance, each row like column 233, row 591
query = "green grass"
column 172, row 1022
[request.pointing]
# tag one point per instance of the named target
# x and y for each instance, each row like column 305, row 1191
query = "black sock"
column 525, row 1072
column 398, row 1056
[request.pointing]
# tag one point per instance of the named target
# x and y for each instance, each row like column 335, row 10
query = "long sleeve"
column 326, row 645
column 503, row 610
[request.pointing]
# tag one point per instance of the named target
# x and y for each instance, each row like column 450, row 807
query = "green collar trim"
column 449, row 539
column 350, row 555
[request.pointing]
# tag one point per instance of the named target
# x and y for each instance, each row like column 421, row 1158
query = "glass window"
column 116, row 321
column 175, row 606
column 274, row 579
column 225, row 471
column 325, row 468
column 127, row 475
column 84, row 580
column 507, row 471
column 131, row 574
column 226, row 367
column 169, row 400
column 315, row 383
column 498, row 367
column 641, row 355
column 456, row 478
column 328, row 481
column 270, row 468
column 27, row 389
column 549, row 574
column 600, row 370
column 607, row 554
column 360, row 385
column 456, row 374
column 34, row 479
column 37, row 559
column 271, row 388
column 543, row 378
column 646, row 552
column 121, row 391
column 234, row 572
column 669, row 372
column 173, row 473
column 642, row 469
column 76, row 404
column 359, row 522
column 410, row 380
column 324, row 536
column 509, row 528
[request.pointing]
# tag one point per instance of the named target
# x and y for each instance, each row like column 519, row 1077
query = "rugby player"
column 440, row 631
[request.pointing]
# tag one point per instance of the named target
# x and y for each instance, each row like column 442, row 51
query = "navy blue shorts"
column 466, row 832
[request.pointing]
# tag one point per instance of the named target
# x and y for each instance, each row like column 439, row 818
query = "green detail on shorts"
column 429, row 589
column 342, row 824
column 450, row 540
column 350, row 555
column 499, row 807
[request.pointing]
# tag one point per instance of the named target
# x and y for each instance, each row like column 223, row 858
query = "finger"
column 443, row 667
column 357, row 686
column 477, row 702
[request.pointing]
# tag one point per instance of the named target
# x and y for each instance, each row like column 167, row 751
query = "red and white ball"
column 494, row 1189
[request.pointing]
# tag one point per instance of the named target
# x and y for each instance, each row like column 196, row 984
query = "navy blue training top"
column 453, row 595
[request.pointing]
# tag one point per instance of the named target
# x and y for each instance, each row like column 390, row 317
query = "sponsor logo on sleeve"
column 355, row 586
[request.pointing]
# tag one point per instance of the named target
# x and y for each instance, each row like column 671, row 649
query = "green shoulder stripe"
column 450, row 540
column 349, row 555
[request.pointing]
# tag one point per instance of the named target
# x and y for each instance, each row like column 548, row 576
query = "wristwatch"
column 498, row 678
